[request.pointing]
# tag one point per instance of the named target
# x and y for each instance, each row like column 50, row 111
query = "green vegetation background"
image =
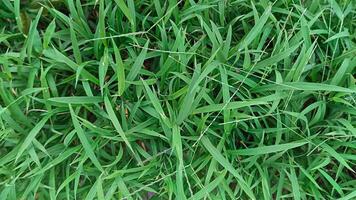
column 155, row 99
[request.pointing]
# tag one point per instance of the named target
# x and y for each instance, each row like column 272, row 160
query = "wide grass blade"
column 88, row 148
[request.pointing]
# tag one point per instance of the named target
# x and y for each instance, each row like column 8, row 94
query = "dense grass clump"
column 168, row 99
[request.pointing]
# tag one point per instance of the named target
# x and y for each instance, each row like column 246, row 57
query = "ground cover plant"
column 154, row 99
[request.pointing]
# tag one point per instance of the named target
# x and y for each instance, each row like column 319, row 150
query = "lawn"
column 177, row 99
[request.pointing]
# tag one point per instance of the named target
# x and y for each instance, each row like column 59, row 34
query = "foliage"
column 154, row 99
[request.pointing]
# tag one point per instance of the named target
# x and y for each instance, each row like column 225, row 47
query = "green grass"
column 189, row 99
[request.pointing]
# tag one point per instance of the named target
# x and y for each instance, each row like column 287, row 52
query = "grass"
column 177, row 99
